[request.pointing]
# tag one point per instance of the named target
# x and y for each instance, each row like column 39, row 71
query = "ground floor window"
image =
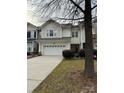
column 29, row 49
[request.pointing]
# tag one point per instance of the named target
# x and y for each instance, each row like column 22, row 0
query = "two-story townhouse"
column 55, row 37
column 32, row 45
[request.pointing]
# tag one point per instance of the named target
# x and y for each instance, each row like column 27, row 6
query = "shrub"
column 95, row 54
column 82, row 53
column 28, row 53
column 35, row 53
column 39, row 54
column 68, row 54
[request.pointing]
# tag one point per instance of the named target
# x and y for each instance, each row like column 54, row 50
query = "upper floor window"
column 47, row 34
column 28, row 34
column 35, row 34
column 74, row 34
column 51, row 32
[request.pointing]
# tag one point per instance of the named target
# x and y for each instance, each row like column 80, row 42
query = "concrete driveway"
column 39, row 68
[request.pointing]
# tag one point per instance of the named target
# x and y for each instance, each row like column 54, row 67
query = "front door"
column 75, row 47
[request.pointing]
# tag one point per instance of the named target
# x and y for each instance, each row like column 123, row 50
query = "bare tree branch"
column 77, row 6
column 64, row 9
column 93, row 7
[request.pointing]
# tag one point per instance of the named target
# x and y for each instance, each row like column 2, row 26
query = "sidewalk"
column 39, row 68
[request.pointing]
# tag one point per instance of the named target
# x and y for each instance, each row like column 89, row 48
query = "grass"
column 68, row 77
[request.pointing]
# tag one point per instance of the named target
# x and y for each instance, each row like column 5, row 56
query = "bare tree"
column 72, row 10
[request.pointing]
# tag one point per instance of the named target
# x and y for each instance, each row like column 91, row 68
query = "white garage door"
column 53, row 49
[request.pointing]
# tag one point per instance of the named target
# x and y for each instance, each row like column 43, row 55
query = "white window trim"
column 75, row 34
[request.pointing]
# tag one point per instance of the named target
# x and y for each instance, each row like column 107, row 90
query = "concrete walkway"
column 39, row 68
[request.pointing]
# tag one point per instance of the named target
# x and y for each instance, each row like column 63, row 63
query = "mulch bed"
column 31, row 56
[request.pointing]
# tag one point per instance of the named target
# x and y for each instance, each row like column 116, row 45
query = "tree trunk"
column 89, row 64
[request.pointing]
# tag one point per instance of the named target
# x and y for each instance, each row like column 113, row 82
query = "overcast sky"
column 35, row 18
column 30, row 15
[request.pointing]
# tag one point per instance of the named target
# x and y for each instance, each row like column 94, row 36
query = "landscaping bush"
column 68, row 54
column 39, row 54
column 95, row 54
column 35, row 53
column 82, row 53
column 28, row 53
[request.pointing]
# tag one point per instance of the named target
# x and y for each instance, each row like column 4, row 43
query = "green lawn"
column 68, row 77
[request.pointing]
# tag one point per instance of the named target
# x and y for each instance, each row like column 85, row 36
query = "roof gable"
column 49, row 22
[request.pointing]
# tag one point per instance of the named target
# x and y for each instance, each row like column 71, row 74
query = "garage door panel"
column 53, row 49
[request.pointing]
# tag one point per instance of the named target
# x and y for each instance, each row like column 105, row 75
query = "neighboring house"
column 94, row 26
column 54, row 37
column 32, row 45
